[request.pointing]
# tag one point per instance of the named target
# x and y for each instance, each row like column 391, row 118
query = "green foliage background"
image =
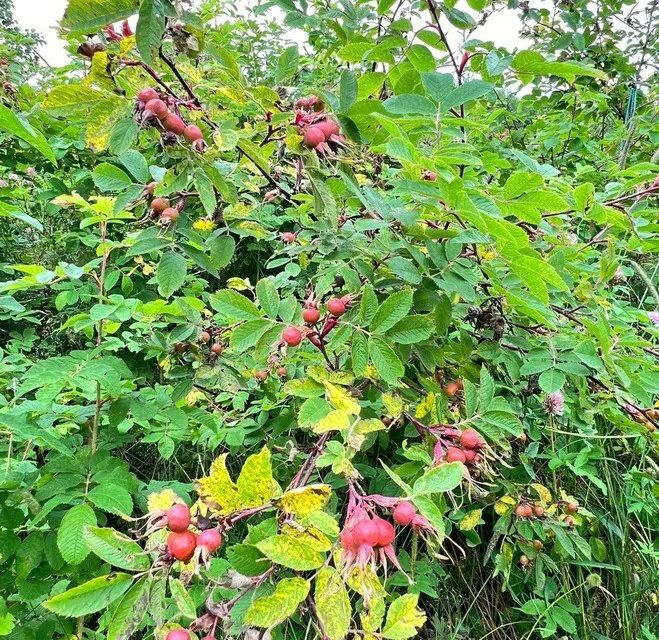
column 493, row 219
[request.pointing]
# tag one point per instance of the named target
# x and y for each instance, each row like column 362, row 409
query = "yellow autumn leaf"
column 543, row 493
column 332, row 603
column 268, row 611
column 470, row 520
column 505, row 506
column 393, row 404
column 403, row 617
column 340, row 399
column 426, row 406
column 300, row 502
column 310, row 536
column 334, row 421
column 161, row 500
column 218, row 490
column 255, row 483
column 239, row 284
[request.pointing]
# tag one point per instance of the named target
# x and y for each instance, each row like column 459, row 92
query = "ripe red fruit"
column 281, row 372
column 173, row 123
column 209, row 539
column 470, row 455
column 169, row 215
column 192, row 132
column 147, row 94
column 453, row 454
column 348, row 540
column 366, row 532
column 292, row 336
column 470, row 439
column 450, row 389
column 313, row 136
column 159, row 204
column 178, row 517
column 329, row 127
column 182, row 545
column 524, row 511
column 572, row 507
column 538, row 512
column 404, row 513
column 216, row 348
column 157, row 107
column 178, row 634
column 205, row 337
column 261, row 375
column 288, row 237
column 310, row 315
column 336, row 307
column 386, row 531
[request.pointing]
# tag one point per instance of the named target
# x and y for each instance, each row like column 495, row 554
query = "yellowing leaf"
column 403, row 618
column 239, row 284
column 332, row 603
column 543, row 492
column 162, row 500
column 304, row 500
column 365, row 581
column 334, row 421
column 393, row 404
column 505, row 506
column 368, row 426
column 373, row 614
column 340, row 399
column 426, row 406
column 218, row 490
column 290, row 552
column 255, row 482
column 308, row 535
column 470, row 520
column 271, row 610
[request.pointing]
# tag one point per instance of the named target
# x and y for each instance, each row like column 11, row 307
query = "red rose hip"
column 336, row 307
column 178, row 517
column 173, row 124
column 404, row 513
column 192, row 132
column 157, row 107
column 310, row 315
column 292, row 336
column 182, row 545
column 178, row 634
column 209, row 539
column 147, row 94
column 313, row 136
column 453, row 454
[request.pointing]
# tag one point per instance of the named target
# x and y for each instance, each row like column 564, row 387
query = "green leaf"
column 115, row 548
column 268, row 296
column 385, row 360
column 409, row 104
column 221, row 251
column 332, row 603
column 170, row 273
column 130, row 611
column 393, row 309
column 136, row 163
column 112, row 498
column 90, row 597
column 18, row 126
column 206, row 191
column 412, row 329
column 531, row 63
column 107, row 177
column 247, row 334
column 268, row 611
column 551, row 380
column 123, row 136
column 347, row 89
column 70, row 541
column 403, row 618
column 444, row 477
column 359, row 353
column 90, row 15
column 150, row 28
column 290, row 552
column 75, row 97
column 470, row 90
column 232, row 306
column 182, row 599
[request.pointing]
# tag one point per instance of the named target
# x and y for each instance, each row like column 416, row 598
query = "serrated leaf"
column 107, row 177
column 268, row 611
column 255, row 482
column 412, row 329
column 444, row 477
column 130, row 611
column 89, row 15
column 302, row 501
column 170, row 273
column 340, row 399
column 290, row 552
column 385, row 360
column 206, row 192
column 232, row 306
column 359, row 353
column 268, row 297
column 335, row 420
column 18, row 126
column 332, row 603
column 551, row 380
column 70, row 541
column 403, row 618
column 150, row 28
column 182, row 599
column 111, row 498
column 90, row 597
column 393, row 309
column 116, row 549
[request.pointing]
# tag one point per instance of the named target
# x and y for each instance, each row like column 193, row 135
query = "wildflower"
column 554, row 403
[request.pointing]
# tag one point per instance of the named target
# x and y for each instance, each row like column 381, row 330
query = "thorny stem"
column 307, row 465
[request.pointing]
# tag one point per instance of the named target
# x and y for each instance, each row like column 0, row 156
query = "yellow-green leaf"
column 470, row 520
column 218, row 490
column 255, row 482
column 268, row 611
column 403, row 618
column 304, row 500
column 290, row 552
column 332, row 603
column 340, row 399
column 336, row 420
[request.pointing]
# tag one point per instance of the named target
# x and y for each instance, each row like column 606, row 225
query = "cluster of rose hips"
column 336, row 307
column 319, row 131
column 525, row 510
column 152, row 105
column 465, row 447
column 181, row 542
column 162, row 207
column 216, row 348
